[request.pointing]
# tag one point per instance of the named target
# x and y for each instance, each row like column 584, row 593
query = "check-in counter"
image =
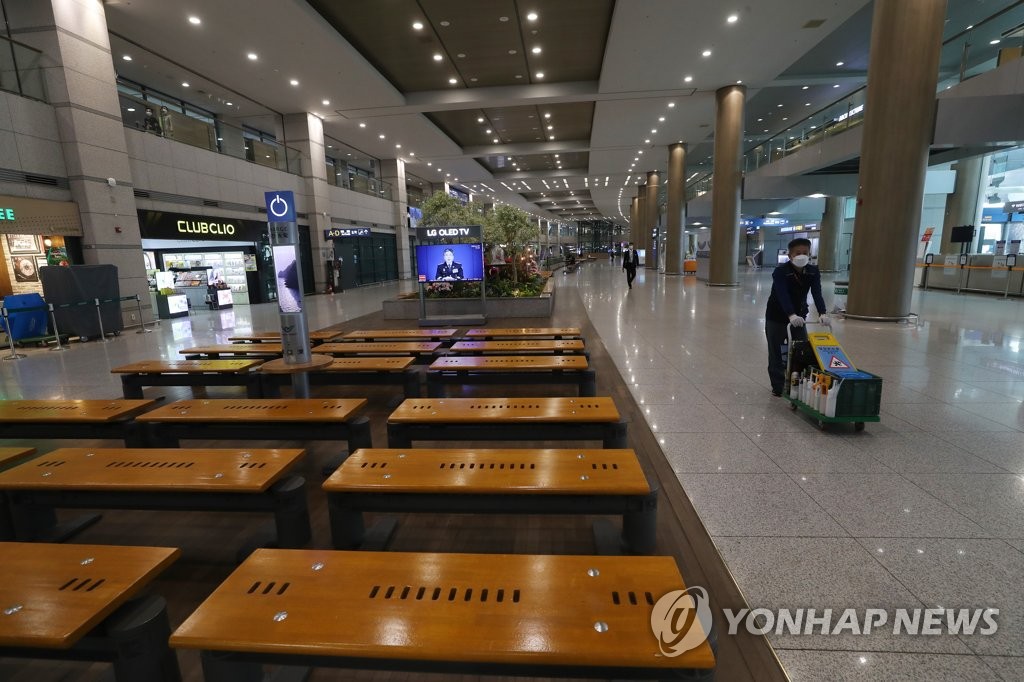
column 980, row 275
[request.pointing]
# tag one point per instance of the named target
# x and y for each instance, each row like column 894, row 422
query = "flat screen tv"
column 961, row 234
column 450, row 263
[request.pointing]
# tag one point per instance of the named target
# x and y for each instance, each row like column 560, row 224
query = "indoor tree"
column 512, row 229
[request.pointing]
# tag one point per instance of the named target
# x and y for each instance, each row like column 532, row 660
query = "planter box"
column 537, row 306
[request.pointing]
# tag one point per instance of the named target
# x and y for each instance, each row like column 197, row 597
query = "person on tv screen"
column 449, row 270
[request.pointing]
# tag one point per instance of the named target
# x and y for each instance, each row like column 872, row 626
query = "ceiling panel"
column 510, row 125
column 535, row 162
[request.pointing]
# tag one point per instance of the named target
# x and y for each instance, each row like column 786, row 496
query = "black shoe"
column 777, row 394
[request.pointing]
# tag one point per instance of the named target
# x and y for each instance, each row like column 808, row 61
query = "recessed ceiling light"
column 687, row 79
column 654, row 131
column 488, row 131
column 131, row 108
column 661, row 118
column 994, row 42
column 294, row 82
column 519, row 75
column 547, row 115
column 327, row 102
column 836, row 85
column 437, row 57
column 412, row 153
column 705, row 53
column 671, row 105
column 184, row 84
column 647, row 141
column 381, row 136
column 766, row 130
column 252, row 56
column 805, row 87
column 839, row 63
column 495, row 140
column 759, row 120
column 969, row 27
column 807, row 104
column 195, row 21
column 127, row 57
column 536, row 50
column 532, row 16
column 430, row 163
column 228, row 103
column 739, row 82
column 551, row 127
column 779, row 106
column 540, row 74
column 417, row 25
column 453, row 81
column 362, row 125
column 732, row 18
column 785, row 118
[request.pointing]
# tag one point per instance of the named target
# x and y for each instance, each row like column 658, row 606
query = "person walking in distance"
column 630, row 262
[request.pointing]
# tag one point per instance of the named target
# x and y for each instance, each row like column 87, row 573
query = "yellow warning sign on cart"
column 832, row 357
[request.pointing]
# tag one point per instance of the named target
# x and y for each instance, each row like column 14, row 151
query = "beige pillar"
column 305, row 132
column 725, row 204
column 831, row 226
column 641, row 214
column 651, row 221
column 676, row 207
column 962, row 204
column 899, row 113
column 634, row 217
column 392, row 171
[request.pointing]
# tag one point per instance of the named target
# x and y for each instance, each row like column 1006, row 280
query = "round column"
column 831, row 225
column 725, row 196
column 651, row 220
column 676, row 207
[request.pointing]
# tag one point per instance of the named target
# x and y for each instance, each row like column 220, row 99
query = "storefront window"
column 1002, row 184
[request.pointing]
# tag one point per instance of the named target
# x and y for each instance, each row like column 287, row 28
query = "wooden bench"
column 301, row 419
column 11, row 456
column 496, row 481
column 524, row 333
column 80, row 602
column 534, row 419
column 511, row 369
column 154, row 479
column 357, row 371
column 262, row 350
column 402, row 334
column 421, row 350
column 316, row 337
column 546, row 616
column 517, row 347
column 78, row 419
column 189, row 373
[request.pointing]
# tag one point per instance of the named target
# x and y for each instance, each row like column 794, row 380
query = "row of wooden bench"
column 260, row 380
column 579, row 616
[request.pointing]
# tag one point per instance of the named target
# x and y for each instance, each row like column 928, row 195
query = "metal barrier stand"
column 15, row 355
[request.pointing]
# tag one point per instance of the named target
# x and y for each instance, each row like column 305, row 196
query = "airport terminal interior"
column 426, row 340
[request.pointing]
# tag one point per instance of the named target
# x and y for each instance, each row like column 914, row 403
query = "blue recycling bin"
column 29, row 324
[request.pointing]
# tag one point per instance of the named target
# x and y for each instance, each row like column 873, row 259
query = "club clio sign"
column 198, row 227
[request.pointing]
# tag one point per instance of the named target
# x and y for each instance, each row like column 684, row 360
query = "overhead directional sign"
column 280, row 206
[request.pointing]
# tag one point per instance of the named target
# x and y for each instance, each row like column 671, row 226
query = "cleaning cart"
column 823, row 382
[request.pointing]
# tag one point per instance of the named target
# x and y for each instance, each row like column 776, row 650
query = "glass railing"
column 21, row 69
column 974, row 51
column 359, row 183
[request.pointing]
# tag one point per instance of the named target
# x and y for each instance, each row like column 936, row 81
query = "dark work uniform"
column 630, row 261
column 454, row 271
column 788, row 297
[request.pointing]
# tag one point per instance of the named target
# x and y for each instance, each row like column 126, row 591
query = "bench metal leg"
column 588, row 384
column 412, row 383
column 135, row 434
column 269, row 387
column 347, row 526
column 217, row 666
column 359, row 435
column 398, row 436
column 131, row 387
column 616, row 436
column 253, row 386
column 157, row 437
column 140, row 631
column 435, row 387
column 291, row 516
column 640, row 528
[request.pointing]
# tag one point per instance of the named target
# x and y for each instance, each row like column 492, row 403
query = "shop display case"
column 226, row 266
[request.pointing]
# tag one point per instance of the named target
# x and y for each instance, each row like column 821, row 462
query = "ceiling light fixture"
column 687, row 79
column 532, row 16
column 732, row 18
column 252, row 56
column 647, row 141
column 294, row 82
column 398, row 146
column 654, row 131
column 994, row 42
column 840, row 63
column 417, row 25
column 836, row 85
column 453, row 81
column 362, row 125
column 540, row 75
column 805, row 87
column 127, row 57
column 184, row 84
column 661, row 118
column 195, row 21
column 381, row 136
column 705, row 53
column 327, row 102
column 536, row 50
column 495, row 140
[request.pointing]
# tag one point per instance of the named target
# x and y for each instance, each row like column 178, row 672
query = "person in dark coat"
column 449, row 270
column 630, row 262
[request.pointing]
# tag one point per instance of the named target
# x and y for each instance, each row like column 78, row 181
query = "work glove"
column 825, row 320
column 796, row 320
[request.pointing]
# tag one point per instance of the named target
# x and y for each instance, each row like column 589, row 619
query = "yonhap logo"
column 681, row 620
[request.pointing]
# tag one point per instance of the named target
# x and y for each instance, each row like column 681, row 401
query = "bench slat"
column 261, row 349
column 514, row 332
column 78, row 411
column 504, row 410
column 63, row 596
column 490, row 471
column 499, row 363
column 153, row 469
column 380, row 347
column 374, row 364
column 256, row 410
column 533, row 346
column 538, row 610
column 188, row 367
column 14, row 454
column 400, row 334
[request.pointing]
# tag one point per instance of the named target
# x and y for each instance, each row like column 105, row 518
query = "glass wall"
column 1002, row 182
column 352, row 169
column 376, row 258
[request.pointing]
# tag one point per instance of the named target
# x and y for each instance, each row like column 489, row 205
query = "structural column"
column 392, row 171
column 305, row 132
column 651, row 213
column 675, row 210
column 728, row 175
column 962, row 204
column 641, row 215
column 634, row 217
column 831, row 225
column 899, row 113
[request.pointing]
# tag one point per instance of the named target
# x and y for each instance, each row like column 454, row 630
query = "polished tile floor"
column 924, row 509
